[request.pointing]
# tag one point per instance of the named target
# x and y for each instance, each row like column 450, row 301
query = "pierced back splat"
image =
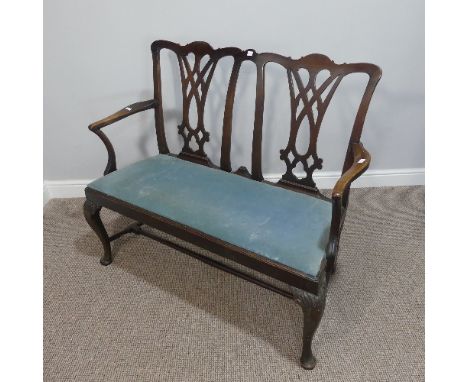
column 195, row 84
column 308, row 101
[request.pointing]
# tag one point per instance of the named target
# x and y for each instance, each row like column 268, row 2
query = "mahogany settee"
column 288, row 230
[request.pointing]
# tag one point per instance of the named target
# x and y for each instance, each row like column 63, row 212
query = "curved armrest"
column 121, row 114
column 360, row 165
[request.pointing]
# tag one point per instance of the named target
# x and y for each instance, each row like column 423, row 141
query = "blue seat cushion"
column 282, row 225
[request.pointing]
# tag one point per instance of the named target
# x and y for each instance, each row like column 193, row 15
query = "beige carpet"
column 159, row 315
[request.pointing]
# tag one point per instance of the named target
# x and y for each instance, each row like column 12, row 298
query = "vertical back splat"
column 195, row 84
column 195, row 88
column 311, row 102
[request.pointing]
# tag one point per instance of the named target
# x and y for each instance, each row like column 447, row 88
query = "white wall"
column 97, row 59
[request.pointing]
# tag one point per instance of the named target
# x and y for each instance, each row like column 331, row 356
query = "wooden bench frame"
column 195, row 79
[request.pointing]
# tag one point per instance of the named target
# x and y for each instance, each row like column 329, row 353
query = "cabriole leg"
column 91, row 212
column 312, row 306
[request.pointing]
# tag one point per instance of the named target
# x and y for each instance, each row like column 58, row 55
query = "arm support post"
column 340, row 193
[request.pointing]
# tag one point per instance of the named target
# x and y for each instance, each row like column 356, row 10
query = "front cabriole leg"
column 91, row 212
column 312, row 306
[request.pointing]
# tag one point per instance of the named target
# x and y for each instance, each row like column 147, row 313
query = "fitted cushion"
column 282, row 225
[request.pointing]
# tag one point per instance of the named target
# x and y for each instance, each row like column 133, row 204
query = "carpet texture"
column 158, row 315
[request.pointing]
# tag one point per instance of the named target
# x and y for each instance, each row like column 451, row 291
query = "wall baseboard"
column 45, row 194
column 64, row 189
column 372, row 178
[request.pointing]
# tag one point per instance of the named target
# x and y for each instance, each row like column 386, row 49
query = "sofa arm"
column 121, row 114
column 361, row 161
column 360, row 165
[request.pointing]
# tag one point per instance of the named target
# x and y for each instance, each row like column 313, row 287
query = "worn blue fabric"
column 282, row 225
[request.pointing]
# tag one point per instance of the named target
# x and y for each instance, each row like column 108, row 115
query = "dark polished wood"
column 360, row 164
column 313, row 306
column 91, row 212
column 309, row 101
column 121, row 114
column 340, row 195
